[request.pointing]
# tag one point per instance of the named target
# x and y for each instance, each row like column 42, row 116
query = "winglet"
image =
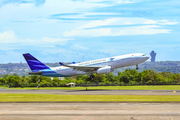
column 66, row 64
column 61, row 63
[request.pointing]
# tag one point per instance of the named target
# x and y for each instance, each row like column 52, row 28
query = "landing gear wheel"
column 88, row 79
column 92, row 76
column 137, row 67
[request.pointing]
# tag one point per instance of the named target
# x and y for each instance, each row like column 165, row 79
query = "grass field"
column 157, row 87
column 8, row 97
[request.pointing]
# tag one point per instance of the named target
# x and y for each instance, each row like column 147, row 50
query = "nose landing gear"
column 137, row 67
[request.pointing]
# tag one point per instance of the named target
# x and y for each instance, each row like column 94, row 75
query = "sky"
column 82, row 30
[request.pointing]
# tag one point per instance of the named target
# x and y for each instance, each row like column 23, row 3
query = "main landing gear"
column 137, row 67
column 90, row 77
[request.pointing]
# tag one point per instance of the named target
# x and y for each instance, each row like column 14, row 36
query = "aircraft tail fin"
column 34, row 63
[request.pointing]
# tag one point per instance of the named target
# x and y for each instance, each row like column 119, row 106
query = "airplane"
column 98, row 66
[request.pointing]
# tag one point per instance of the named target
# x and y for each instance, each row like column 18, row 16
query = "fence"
column 124, row 84
column 90, row 84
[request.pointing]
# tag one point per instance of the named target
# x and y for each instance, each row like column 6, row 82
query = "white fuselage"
column 113, row 62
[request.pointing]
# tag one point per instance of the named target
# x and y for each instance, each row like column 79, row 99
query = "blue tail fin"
column 34, row 63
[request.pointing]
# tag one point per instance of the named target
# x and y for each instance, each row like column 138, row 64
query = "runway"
column 96, row 92
column 89, row 111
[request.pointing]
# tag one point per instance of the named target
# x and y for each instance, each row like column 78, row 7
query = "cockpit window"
column 143, row 55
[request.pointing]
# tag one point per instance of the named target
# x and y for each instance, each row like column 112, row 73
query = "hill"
column 160, row 66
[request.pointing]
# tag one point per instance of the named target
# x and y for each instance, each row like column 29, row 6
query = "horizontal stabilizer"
column 35, row 73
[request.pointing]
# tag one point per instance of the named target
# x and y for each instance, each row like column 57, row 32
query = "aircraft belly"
column 123, row 63
column 69, row 72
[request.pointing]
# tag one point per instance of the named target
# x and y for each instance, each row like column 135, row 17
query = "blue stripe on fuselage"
column 51, row 73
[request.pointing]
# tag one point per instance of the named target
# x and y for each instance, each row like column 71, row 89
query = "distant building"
column 61, row 78
column 71, row 84
column 3, row 72
column 153, row 56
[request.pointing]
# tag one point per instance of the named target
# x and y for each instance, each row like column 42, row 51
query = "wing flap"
column 84, row 68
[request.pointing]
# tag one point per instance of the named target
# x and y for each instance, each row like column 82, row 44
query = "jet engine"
column 105, row 69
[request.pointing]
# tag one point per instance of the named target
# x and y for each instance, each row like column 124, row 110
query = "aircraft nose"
column 147, row 57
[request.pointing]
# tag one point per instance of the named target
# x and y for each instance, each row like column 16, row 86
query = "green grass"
column 9, row 97
column 4, row 87
column 157, row 87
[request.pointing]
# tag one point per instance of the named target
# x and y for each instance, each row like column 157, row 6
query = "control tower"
column 153, row 56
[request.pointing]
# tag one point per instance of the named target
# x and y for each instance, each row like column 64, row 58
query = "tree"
column 110, row 77
column 98, row 78
column 23, row 81
column 13, row 81
column 128, row 75
column 2, row 81
column 145, row 76
column 33, row 78
column 175, row 77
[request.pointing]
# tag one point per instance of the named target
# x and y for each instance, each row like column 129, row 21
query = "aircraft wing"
column 83, row 68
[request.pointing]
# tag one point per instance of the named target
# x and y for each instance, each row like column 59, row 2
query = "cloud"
column 10, row 37
column 139, row 30
column 24, row 10
column 83, row 16
column 36, row 2
column 124, row 26
column 116, row 1
column 2, row 52
column 125, row 21
column 160, row 22
column 84, row 9
column 98, row 23
column 79, row 47
column 141, row 13
column 52, row 40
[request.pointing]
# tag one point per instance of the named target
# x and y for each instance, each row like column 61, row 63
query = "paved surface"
column 97, row 92
column 89, row 111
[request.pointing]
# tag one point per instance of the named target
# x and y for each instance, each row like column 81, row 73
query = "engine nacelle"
column 105, row 69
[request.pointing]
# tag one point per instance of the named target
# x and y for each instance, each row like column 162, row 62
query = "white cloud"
column 139, row 30
column 30, row 12
column 10, row 37
column 36, row 2
column 98, row 23
column 91, row 28
column 116, row 1
column 90, row 32
column 79, row 47
column 128, row 23
column 84, row 15
column 160, row 22
column 142, row 30
column 125, row 21
column 46, row 39
column 126, row 1
column 166, row 22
